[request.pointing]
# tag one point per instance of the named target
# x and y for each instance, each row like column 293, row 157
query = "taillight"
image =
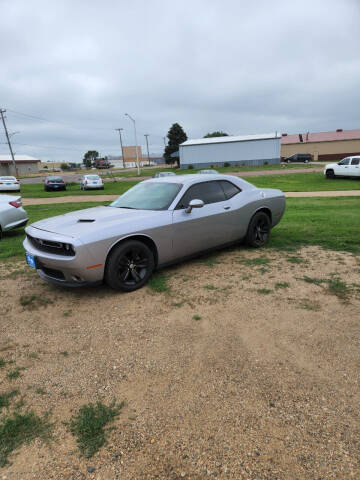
column 47, row 182
column 15, row 204
column 86, row 182
column 62, row 181
column 1, row 183
column 102, row 181
column 16, row 183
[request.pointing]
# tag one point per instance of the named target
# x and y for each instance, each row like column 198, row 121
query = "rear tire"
column 259, row 230
column 129, row 266
column 330, row 174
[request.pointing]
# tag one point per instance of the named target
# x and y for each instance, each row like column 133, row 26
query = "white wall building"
column 241, row 150
column 24, row 164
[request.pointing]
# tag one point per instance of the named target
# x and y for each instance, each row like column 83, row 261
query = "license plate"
column 94, row 183
column 30, row 260
column 8, row 183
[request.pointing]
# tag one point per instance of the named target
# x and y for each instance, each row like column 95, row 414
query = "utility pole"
column 122, row 150
column 147, row 147
column 2, row 111
column 136, row 143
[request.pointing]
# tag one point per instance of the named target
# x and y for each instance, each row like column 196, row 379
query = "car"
column 299, row 157
column 12, row 214
column 54, row 183
column 91, row 182
column 9, row 184
column 155, row 223
column 164, row 174
column 347, row 167
column 208, row 172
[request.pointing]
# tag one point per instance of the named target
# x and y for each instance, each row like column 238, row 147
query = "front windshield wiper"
column 130, row 208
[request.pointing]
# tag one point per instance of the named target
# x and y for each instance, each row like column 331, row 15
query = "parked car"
column 208, row 172
column 164, row 174
column 347, row 167
column 9, row 184
column 12, row 215
column 91, row 182
column 299, row 157
column 54, row 183
column 155, row 223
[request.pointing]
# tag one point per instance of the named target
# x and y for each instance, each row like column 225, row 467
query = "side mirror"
column 195, row 203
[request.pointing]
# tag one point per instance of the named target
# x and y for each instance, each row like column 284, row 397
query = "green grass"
column 196, row 317
column 158, row 282
column 6, row 397
column 36, row 190
column 303, row 182
column 88, row 426
column 280, row 285
column 332, row 223
column 264, row 291
column 18, row 429
column 2, row 362
column 32, row 302
column 338, row 287
column 15, row 373
column 251, row 262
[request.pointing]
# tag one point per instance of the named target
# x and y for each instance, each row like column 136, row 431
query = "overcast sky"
column 238, row 66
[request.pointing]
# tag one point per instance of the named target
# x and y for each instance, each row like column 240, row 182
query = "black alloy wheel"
column 330, row 174
column 129, row 266
column 259, row 230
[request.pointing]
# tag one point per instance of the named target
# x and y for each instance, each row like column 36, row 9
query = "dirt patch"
column 246, row 368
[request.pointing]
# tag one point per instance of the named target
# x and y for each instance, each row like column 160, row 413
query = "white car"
column 90, row 182
column 347, row 167
column 12, row 215
column 9, row 184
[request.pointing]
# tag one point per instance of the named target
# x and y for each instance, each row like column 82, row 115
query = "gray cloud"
column 234, row 65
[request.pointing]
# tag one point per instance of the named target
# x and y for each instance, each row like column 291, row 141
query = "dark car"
column 299, row 157
column 54, row 183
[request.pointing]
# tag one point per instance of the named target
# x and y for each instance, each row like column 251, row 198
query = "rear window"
column 93, row 177
column 55, row 179
column 7, row 179
column 229, row 188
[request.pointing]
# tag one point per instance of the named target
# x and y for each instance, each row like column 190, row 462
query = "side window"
column 355, row 161
column 346, row 161
column 208, row 192
column 229, row 188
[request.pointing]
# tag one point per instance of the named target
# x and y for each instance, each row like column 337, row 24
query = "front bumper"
column 67, row 271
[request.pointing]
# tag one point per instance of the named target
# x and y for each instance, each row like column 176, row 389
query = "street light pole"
column 136, row 143
column 147, row 147
column 122, row 150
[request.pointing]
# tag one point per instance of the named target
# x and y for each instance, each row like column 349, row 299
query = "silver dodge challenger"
column 155, row 223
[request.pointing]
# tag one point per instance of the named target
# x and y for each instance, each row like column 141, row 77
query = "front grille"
column 49, row 246
column 53, row 273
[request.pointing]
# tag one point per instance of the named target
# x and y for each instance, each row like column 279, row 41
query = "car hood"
column 78, row 223
column 331, row 165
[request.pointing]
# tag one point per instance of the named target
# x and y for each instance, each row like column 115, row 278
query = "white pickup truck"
column 347, row 167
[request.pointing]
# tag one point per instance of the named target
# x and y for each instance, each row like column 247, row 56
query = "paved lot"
column 241, row 371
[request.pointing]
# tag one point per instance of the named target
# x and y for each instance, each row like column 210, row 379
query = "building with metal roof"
column 24, row 164
column 324, row 146
column 261, row 149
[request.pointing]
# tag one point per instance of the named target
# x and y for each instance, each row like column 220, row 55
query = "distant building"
column 129, row 160
column 240, row 150
column 324, row 146
column 24, row 163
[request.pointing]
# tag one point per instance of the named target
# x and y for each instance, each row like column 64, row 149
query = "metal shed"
column 240, row 150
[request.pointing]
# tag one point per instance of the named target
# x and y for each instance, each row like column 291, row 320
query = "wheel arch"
column 265, row 210
column 148, row 241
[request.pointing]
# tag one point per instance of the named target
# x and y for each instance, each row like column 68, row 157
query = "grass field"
column 295, row 182
column 332, row 223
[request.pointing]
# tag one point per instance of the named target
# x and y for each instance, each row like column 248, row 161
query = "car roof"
column 189, row 179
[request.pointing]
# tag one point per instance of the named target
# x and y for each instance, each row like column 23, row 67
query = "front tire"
column 259, row 230
column 129, row 266
column 330, row 174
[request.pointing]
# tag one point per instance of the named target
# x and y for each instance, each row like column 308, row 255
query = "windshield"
column 148, row 196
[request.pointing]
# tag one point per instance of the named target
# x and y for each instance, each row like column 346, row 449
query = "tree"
column 65, row 166
column 176, row 135
column 90, row 157
column 216, row 134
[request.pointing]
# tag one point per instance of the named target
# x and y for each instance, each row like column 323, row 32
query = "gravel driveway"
column 246, row 368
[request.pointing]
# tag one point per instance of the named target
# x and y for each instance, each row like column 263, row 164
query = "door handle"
column 227, row 208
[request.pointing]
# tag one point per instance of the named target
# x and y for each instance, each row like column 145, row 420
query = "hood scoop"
column 86, row 220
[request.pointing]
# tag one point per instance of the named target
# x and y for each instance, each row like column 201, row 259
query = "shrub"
column 190, row 167
column 226, row 164
column 64, row 166
column 266, row 163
